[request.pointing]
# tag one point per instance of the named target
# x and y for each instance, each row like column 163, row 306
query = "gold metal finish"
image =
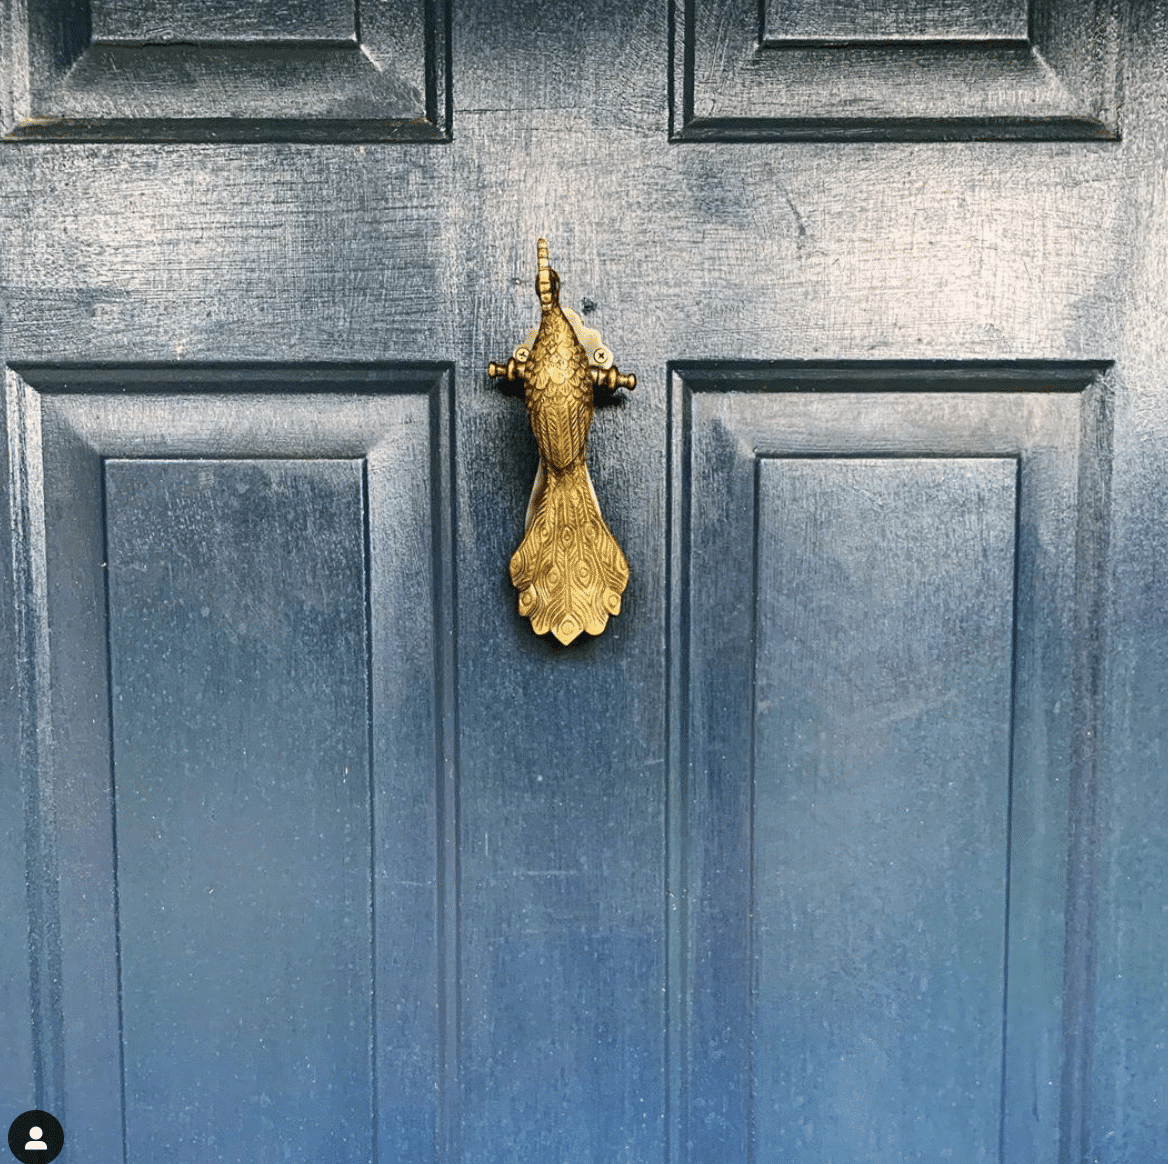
column 569, row 570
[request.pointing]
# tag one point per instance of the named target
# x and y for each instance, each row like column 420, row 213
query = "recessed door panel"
column 240, row 792
column 879, row 595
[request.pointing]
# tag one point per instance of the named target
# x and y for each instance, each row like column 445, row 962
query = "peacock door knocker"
column 569, row 570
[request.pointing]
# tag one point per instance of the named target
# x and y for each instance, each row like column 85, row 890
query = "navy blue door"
column 845, row 841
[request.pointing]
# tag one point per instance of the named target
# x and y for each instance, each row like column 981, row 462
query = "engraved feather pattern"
column 569, row 569
column 558, row 391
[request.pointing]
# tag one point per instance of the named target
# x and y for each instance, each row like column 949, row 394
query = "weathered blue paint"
column 306, row 253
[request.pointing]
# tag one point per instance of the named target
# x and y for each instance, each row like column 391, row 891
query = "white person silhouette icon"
column 36, row 1136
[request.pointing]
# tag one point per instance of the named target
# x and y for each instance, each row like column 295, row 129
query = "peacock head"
column 547, row 282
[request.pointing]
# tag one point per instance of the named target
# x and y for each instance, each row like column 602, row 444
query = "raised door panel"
column 106, row 70
column 239, row 802
column 239, row 694
column 885, row 736
column 894, row 72
column 195, row 21
column 860, row 20
column 884, row 610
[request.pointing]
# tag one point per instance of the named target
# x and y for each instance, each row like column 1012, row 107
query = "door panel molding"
column 366, row 450
column 384, row 77
column 737, row 75
column 760, row 456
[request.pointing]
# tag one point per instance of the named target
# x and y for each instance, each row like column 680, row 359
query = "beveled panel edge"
column 922, row 129
column 203, row 131
column 742, row 39
column 33, row 693
column 1080, row 972
column 44, row 43
column 261, row 376
column 444, row 566
column 888, row 375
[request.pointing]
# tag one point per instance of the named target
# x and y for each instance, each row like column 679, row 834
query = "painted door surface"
column 847, row 839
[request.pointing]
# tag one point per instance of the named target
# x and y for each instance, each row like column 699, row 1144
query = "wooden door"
column 845, row 841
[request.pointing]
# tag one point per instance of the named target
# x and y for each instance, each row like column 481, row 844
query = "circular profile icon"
column 35, row 1136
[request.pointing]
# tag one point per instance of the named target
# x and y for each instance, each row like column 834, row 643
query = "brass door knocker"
column 569, row 570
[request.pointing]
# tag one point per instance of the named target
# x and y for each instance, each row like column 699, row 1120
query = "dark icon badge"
column 35, row 1137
